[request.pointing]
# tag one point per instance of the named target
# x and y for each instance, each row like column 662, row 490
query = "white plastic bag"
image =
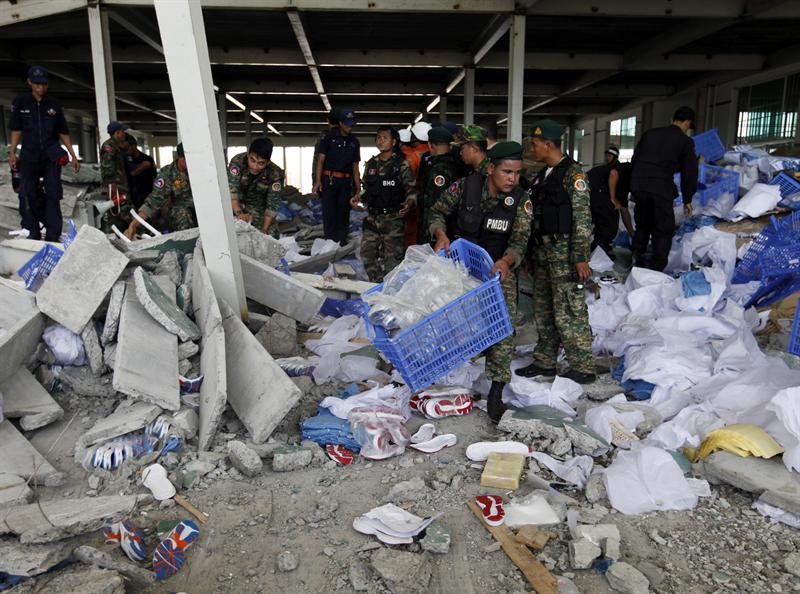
column 380, row 430
column 66, row 346
column 647, row 479
column 760, row 199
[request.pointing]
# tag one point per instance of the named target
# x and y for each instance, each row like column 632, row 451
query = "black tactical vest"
column 551, row 202
column 490, row 230
column 384, row 192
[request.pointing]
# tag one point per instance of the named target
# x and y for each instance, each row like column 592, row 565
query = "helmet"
column 405, row 135
column 420, row 130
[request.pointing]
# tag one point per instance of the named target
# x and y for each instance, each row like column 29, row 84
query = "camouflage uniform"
column 259, row 195
column 439, row 175
column 112, row 171
column 498, row 356
column 383, row 236
column 482, row 167
column 172, row 188
column 559, row 304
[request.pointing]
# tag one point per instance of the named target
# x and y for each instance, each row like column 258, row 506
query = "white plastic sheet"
column 387, row 396
column 575, row 470
column 786, row 406
column 761, row 198
column 66, row 346
column 647, row 479
column 599, row 261
column 601, row 417
column 561, row 394
column 533, row 509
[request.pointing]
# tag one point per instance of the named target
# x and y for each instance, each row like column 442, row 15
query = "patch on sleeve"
column 108, row 149
column 159, row 183
column 580, row 176
column 438, row 181
column 580, row 184
column 276, row 187
column 234, row 170
column 528, row 207
column 453, row 187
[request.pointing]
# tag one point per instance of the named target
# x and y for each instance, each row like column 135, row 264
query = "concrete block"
column 22, row 326
column 82, row 381
column 75, row 579
column 254, row 244
column 437, row 539
column 139, row 577
column 625, row 578
column 321, row 261
column 31, row 560
column 187, row 349
column 187, row 421
column 146, row 366
column 606, row 536
column 280, row 292
column 259, row 391
column 214, row 390
column 128, row 416
column 81, row 280
column 25, row 398
column 94, row 352
column 243, row 458
column 13, row 490
column 57, row 519
column 170, row 267
column 279, row 336
column 402, row 572
column 18, row 456
column 161, row 306
column 582, row 553
column 113, row 312
column 182, row 242
column 287, row 458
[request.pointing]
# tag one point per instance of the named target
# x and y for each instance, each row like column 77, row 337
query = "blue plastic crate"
column 779, row 260
column 787, row 184
column 774, row 290
column 453, row 335
column 776, row 233
column 712, row 183
column 35, row 270
column 794, row 339
column 709, row 145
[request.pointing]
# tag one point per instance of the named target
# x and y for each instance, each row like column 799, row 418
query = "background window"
column 622, row 134
column 768, row 111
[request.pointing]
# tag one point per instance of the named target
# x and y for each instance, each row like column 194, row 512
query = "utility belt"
column 374, row 212
column 340, row 174
column 540, row 240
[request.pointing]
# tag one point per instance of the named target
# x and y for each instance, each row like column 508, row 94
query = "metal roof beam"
column 401, row 6
column 17, row 12
column 139, row 26
column 305, row 48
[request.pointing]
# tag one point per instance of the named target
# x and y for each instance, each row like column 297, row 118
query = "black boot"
column 495, row 405
column 534, row 370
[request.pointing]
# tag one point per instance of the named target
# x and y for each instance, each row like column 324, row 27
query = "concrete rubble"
column 30, row 560
column 25, row 399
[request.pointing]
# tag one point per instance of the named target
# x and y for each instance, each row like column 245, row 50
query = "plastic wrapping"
column 67, row 347
column 380, row 431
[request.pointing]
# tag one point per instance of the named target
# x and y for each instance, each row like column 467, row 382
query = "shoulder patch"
column 159, row 183
column 580, row 176
column 108, row 149
column 234, row 170
column 276, row 187
column 528, row 207
column 509, row 201
column 453, row 187
column 580, row 184
column 439, row 180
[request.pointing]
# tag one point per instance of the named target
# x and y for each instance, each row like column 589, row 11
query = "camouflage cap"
column 547, row 129
column 470, row 133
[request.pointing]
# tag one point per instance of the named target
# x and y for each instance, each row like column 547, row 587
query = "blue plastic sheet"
column 638, row 388
column 342, row 307
column 325, row 428
column 694, row 283
column 694, row 223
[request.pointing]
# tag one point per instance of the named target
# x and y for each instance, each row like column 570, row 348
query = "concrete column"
column 733, row 119
column 469, row 95
column 3, row 129
column 516, row 76
column 87, row 143
column 102, row 68
column 443, row 109
column 248, row 132
column 223, row 121
column 701, row 123
column 571, row 138
column 186, row 52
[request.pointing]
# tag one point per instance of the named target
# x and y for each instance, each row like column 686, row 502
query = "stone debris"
column 582, row 553
column 244, row 459
column 94, row 352
column 187, row 349
column 436, row 539
column 30, row 560
column 410, row 490
column 19, row 457
column 186, row 421
column 13, row 490
column 82, row 279
column 403, row 573
column 625, row 578
column 606, row 536
column 169, row 266
column 140, row 578
column 287, row 561
column 22, row 326
column 113, row 312
column 160, row 304
column 287, row 458
column 359, row 575
column 82, row 381
column 24, row 398
column 279, row 336
column 75, row 579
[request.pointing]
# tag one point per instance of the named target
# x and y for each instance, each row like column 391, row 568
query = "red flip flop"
column 339, row 454
column 492, row 508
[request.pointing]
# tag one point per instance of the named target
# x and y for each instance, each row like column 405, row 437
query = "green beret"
column 547, row 129
column 470, row 133
column 505, row 151
column 439, row 134
column 179, row 150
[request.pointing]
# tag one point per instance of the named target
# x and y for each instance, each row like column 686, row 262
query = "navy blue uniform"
column 140, row 185
column 40, row 124
column 341, row 153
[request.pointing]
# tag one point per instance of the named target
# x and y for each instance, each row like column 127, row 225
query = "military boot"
column 495, row 407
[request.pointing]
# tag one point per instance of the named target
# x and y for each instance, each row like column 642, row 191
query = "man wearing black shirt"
column 141, row 171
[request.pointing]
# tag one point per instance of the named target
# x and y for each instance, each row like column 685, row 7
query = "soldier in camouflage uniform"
column 172, row 189
column 115, row 181
column 389, row 193
column 472, row 144
column 440, row 172
column 560, row 239
column 494, row 212
column 256, row 184
column 333, row 122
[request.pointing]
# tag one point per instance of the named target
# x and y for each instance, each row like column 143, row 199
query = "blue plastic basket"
column 787, row 184
column 779, row 260
column 709, row 145
column 774, row 290
column 794, row 339
column 775, row 234
column 713, row 182
column 453, row 335
column 35, row 270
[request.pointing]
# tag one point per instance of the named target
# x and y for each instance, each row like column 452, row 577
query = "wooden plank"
column 536, row 573
column 534, row 537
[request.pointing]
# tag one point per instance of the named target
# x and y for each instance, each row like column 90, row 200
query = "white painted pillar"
column 443, row 108
column 223, row 121
column 183, row 36
column 516, row 76
column 102, row 68
column 469, row 95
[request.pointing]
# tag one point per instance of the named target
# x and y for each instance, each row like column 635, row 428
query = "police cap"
column 114, row 126
column 547, row 129
column 38, row 75
column 505, row 151
column 348, row 117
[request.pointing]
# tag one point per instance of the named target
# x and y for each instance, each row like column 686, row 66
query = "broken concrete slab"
column 182, row 242
column 82, row 381
column 140, row 578
column 625, row 578
column 25, row 398
column 244, row 459
column 402, row 572
column 280, row 292
column 21, row 327
column 606, row 536
column 81, row 280
column 321, row 261
column 187, row 349
column 13, row 490
column 170, row 267
column 259, row 391
column 94, row 352
column 110, row 354
column 21, row 458
column 49, row 521
column 146, row 366
column 332, row 283
column 30, row 560
column 214, row 390
column 255, row 244
column 286, row 458
column 113, row 312
column 279, row 336
column 74, row 579
column 582, row 553
column 161, row 306
column 128, row 416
